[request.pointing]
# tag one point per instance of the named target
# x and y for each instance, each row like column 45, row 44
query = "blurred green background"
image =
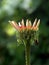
column 10, row 52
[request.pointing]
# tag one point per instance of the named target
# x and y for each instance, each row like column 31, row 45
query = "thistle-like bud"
column 27, row 32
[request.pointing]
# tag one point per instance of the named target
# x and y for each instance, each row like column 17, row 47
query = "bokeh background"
column 11, row 53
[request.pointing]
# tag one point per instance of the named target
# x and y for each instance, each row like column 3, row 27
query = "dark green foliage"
column 10, row 53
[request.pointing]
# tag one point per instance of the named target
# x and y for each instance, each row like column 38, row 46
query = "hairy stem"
column 27, row 53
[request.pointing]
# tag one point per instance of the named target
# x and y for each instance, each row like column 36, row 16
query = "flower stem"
column 27, row 53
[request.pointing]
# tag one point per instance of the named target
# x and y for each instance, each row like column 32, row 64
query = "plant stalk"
column 27, row 53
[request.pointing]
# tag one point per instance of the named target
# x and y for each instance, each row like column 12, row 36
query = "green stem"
column 27, row 53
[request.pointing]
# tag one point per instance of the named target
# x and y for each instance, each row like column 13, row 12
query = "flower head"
column 21, row 26
column 26, row 32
